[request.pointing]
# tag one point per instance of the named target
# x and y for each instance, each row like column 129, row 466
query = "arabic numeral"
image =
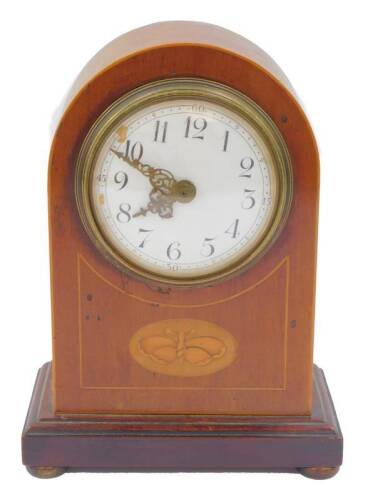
column 160, row 131
column 199, row 125
column 173, row 251
column 249, row 200
column 124, row 216
column 207, row 248
column 226, row 137
column 198, row 108
column 102, row 178
column 135, row 151
column 173, row 267
column 246, row 164
column 232, row 230
column 121, row 178
column 147, row 234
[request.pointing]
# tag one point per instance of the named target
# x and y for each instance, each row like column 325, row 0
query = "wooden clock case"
column 94, row 407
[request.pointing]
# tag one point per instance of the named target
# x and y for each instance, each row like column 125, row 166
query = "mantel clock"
column 183, row 204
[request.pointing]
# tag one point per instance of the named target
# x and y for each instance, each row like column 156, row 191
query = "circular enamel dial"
column 183, row 188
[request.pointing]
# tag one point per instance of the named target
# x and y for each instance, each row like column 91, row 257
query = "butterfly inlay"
column 183, row 347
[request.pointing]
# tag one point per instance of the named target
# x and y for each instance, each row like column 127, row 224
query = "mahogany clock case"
column 97, row 308
column 269, row 309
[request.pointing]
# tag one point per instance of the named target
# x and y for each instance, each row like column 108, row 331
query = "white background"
column 326, row 50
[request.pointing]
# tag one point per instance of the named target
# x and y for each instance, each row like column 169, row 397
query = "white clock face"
column 183, row 188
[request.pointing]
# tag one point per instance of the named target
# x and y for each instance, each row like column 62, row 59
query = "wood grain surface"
column 51, row 444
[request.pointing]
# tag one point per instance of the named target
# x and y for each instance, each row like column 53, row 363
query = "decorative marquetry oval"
column 183, row 347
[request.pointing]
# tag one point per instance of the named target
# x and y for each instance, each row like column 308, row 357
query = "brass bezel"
column 176, row 88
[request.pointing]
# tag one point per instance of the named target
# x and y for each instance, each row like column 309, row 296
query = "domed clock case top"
column 183, row 206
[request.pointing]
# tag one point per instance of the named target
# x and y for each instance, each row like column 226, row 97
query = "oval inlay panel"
column 183, row 347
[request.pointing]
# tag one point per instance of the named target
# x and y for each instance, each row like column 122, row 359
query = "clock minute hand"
column 161, row 197
column 159, row 178
column 144, row 169
column 166, row 190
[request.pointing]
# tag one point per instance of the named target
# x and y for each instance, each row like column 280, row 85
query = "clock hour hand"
column 166, row 190
column 159, row 203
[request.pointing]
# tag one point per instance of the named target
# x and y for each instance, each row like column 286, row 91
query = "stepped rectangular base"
column 54, row 444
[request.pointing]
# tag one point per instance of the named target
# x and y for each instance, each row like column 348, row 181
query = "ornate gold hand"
column 166, row 190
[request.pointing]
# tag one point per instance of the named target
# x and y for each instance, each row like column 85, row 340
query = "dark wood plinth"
column 54, row 444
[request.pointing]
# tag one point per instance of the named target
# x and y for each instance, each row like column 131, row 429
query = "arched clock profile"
column 183, row 205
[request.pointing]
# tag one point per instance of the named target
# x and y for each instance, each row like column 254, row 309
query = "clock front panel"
column 166, row 358
column 183, row 181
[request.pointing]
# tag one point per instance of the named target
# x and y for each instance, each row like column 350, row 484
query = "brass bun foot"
column 319, row 472
column 46, row 472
